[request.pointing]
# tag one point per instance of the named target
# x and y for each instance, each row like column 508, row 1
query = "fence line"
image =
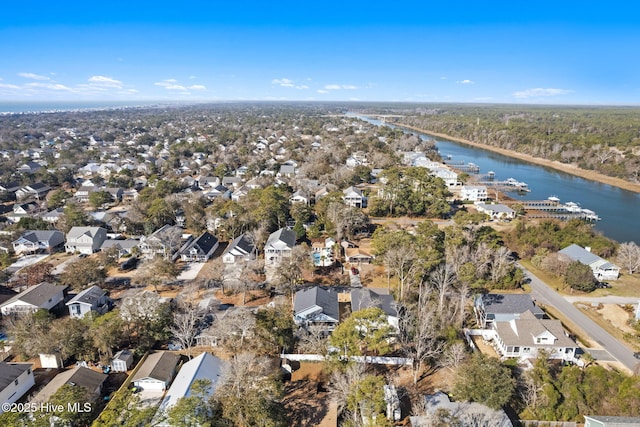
column 379, row 360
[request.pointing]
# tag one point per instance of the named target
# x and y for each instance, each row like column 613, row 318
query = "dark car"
column 636, row 354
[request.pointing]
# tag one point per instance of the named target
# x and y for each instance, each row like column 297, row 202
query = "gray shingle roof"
column 10, row 371
column 240, row 244
column 366, row 298
column 88, row 296
column 159, row 366
column 283, row 235
column 38, row 295
column 510, row 304
column 205, row 242
column 578, row 253
column 316, row 296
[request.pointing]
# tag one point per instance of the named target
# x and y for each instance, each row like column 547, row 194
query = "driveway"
column 545, row 295
column 25, row 261
column 190, row 271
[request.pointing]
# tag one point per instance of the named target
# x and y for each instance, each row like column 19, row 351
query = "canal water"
column 619, row 209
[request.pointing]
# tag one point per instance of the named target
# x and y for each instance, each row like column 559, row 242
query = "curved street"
column 545, row 295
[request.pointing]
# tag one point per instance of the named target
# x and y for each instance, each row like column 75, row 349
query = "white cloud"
column 33, row 76
column 538, row 92
column 171, row 84
column 197, row 87
column 192, row 77
column 8, row 86
column 283, row 82
column 302, row 87
column 339, row 87
column 322, row 91
column 443, row 78
column 105, row 81
column 50, row 86
column 465, row 82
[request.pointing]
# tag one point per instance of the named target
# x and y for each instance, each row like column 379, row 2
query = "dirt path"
column 570, row 169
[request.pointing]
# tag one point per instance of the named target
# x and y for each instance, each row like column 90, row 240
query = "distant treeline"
column 603, row 139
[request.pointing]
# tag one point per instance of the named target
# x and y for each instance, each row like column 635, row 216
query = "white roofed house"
column 200, row 249
column 354, row 197
column 526, row 336
column 300, row 196
column 602, row 269
column 34, row 241
column 474, row 193
column 90, row 299
column 279, row 245
column 496, row 210
column 204, row 367
column 447, row 175
column 16, row 379
column 42, row 296
column 240, row 249
column 85, row 240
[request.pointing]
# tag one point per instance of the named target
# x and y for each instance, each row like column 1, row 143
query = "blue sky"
column 561, row 52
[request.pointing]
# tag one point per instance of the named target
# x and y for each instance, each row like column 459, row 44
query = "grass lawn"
column 626, row 286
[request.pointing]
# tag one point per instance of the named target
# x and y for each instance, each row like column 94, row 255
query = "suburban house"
column 496, row 210
column 53, row 216
column 90, row 299
column 491, row 308
column 16, row 379
column 157, row 371
column 200, row 249
column 525, row 337
column 37, row 191
column 22, row 210
column 362, row 298
column 602, row 269
column 279, row 245
column 204, row 367
column 300, row 196
column 357, row 256
column 474, row 193
column 85, row 240
column 316, row 307
column 610, row 421
column 36, row 241
column 165, row 241
column 467, row 413
column 78, row 376
column 125, row 247
column 240, row 249
column 83, row 193
column 29, row 167
column 122, row 361
column 353, row 197
column 44, row 295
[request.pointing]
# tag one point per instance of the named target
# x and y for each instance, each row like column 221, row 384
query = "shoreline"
column 553, row 164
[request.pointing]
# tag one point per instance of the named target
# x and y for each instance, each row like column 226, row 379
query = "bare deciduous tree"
column 186, row 321
column 629, row 256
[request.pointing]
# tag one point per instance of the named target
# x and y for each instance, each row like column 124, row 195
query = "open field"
column 613, row 319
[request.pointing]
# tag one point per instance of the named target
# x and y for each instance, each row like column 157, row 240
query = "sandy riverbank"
column 570, row 169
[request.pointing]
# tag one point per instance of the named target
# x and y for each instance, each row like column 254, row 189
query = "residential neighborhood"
column 176, row 266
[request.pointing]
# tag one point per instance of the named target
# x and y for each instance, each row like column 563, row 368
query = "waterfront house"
column 37, row 241
column 42, row 296
column 602, row 269
column 474, row 193
column 16, row 379
column 88, row 300
column 85, row 240
column 496, row 210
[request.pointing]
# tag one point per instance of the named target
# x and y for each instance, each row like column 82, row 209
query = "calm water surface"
column 619, row 209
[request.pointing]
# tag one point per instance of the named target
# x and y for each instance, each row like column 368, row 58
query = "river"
column 618, row 208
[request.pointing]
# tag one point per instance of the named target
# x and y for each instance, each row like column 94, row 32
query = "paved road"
column 545, row 295
column 609, row 299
